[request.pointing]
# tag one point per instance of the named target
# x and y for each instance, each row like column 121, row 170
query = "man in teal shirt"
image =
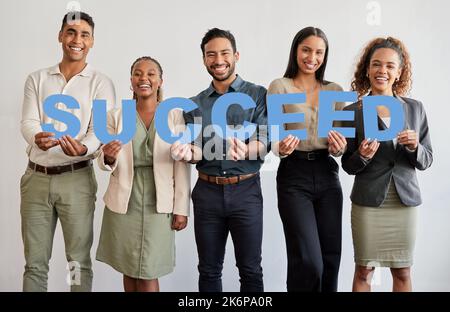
column 227, row 196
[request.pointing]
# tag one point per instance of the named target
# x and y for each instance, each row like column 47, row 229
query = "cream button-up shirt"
column 85, row 87
column 310, row 111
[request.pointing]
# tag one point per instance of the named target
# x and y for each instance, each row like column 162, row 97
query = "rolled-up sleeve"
column 260, row 119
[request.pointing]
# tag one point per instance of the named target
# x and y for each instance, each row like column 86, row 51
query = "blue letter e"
column 327, row 114
column 277, row 118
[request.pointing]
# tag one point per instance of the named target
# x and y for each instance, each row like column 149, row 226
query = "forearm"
column 256, row 148
column 421, row 157
column 196, row 154
column 340, row 152
column 182, row 177
column 29, row 129
column 103, row 164
column 353, row 163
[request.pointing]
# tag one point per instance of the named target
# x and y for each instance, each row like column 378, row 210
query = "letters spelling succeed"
column 276, row 117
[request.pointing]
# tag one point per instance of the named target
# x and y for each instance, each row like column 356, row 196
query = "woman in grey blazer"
column 385, row 192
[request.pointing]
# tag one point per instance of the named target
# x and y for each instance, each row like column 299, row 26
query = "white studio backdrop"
column 171, row 32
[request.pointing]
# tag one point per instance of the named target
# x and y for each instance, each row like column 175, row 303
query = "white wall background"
column 171, row 31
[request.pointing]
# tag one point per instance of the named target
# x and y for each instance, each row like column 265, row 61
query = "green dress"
column 140, row 243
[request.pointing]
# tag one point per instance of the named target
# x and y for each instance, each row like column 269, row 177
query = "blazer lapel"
column 405, row 121
column 405, row 113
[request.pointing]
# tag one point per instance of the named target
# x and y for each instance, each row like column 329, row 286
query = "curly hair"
column 361, row 83
column 159, row 94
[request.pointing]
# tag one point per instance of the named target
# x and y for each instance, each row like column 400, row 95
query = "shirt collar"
column 86, row 72
column 237, row 83
column 210, row 91
column 235, row 86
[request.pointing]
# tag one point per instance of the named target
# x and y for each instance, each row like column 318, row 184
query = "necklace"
column 301, row 87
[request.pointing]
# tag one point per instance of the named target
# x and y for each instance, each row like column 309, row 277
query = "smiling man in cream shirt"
column 59, row 181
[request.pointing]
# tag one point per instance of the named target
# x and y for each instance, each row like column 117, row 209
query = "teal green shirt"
column 219, row 166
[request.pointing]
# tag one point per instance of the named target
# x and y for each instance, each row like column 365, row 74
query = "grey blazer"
column 372, row 177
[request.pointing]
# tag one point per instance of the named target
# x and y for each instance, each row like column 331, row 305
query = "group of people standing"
column 148, row 195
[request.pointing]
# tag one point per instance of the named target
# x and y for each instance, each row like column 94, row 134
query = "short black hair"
column 76, row 15
column 217, row 33
column 292, row 67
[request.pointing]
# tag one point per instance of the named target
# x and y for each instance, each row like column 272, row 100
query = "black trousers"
column 222, row 209
column 310, row 206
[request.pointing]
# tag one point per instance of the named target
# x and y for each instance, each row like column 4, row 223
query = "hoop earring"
column 131, row 89
column 158, row 93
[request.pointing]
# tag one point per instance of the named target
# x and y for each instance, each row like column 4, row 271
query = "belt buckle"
column 311, row 156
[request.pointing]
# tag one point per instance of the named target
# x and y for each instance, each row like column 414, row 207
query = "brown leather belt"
column 224, row 180
column 58, row 169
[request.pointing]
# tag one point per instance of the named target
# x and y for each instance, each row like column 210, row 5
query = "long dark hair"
column 292, row 67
